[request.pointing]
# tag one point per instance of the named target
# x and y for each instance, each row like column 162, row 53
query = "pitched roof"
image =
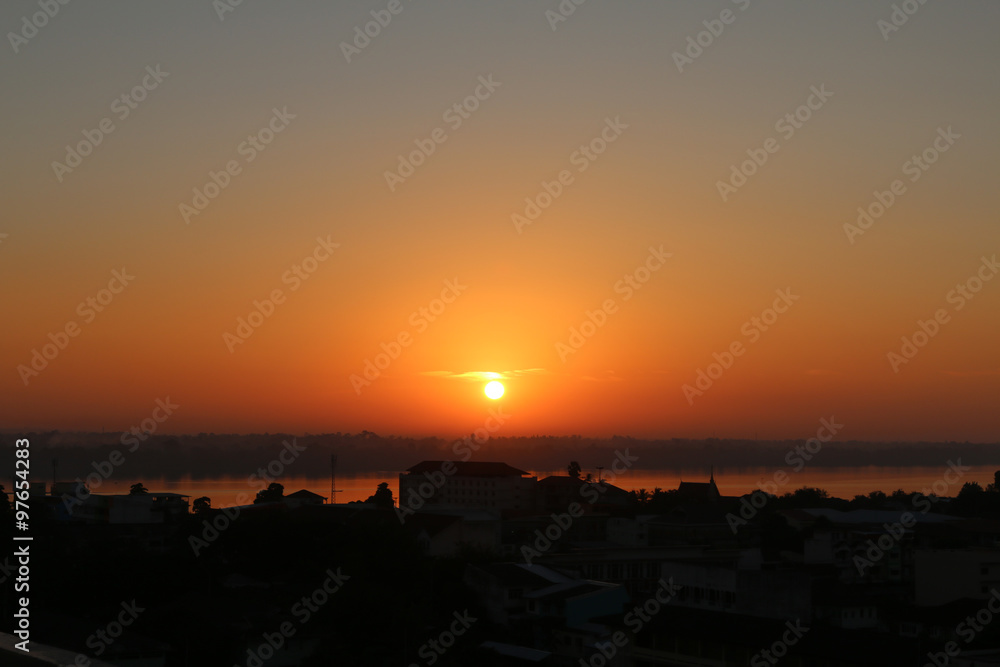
column 470, row 468
column 305, row 494
column 694, row 487
column 698, row 490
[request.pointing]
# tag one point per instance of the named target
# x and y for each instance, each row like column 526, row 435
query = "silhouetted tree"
column 900, row 496
column 274, row 493
column 383, row 497
column 970, row 489
column 137, row 489
column 203, row 504
column 640, row 497
column 663, row 501
column 573, row 469
column 969, row 501
column 807, row 497
column 877, row 498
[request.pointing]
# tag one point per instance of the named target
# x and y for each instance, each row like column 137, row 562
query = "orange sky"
column 381, row 248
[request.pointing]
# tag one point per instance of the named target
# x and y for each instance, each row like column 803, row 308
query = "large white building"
column 467, row 484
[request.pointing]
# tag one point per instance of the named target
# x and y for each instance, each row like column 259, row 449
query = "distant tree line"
column 971, row 500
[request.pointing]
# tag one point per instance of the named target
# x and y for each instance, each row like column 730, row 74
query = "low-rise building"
column 467, row 484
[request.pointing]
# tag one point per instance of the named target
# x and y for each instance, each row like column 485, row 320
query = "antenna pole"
column 333, row 479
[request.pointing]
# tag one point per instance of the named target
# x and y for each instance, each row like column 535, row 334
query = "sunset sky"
column 309, row 117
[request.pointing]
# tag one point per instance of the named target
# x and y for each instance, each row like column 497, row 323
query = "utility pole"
column 333, row 479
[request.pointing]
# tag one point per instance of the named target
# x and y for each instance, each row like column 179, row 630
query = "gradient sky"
column 323, row 176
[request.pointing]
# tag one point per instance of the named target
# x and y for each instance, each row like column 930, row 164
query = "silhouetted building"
column 467, row 484
column 556, row 492
column 143, row 508
column 447, row 532
column 306, row 497
column 699, row 491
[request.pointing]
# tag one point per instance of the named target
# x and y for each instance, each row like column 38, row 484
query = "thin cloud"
column 479, row 376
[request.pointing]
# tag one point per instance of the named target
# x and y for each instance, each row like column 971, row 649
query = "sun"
column 494, row 390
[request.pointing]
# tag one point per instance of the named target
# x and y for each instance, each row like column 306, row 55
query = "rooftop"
column 305, row 494
column 470, row 468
